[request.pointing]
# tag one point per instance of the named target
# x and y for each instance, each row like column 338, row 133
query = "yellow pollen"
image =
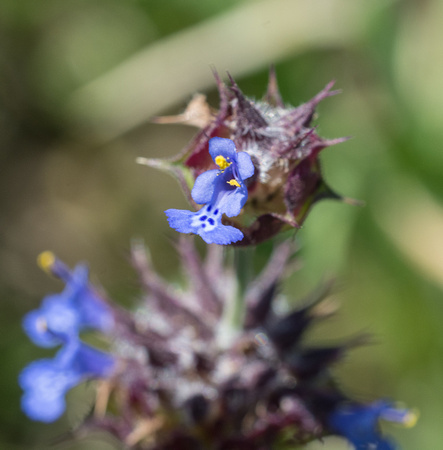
column 411, row 419
column 233, row 183
column 221, row 162
column 46, row 260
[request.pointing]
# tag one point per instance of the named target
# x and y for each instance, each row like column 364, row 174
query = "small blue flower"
column 46, row 381
column 222, row 191
column 359, row 423
column 63, row 316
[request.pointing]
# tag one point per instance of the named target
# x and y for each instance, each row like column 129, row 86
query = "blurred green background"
column 79, row 81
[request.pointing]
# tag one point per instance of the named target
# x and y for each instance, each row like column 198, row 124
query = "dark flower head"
column 283, row 146
column 187, row 371
column 190, row 377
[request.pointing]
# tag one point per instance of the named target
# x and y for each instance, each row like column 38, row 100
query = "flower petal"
column 84, row 360
column 41, row 408
column 35, row 326
column 206, row 223
column 222, row 147
column 180, row 220
column 232, row 201
column 204, row 186
column 45, row 384
column 93, row 312
column 359, row 424
column 245, row 166
column 221, row 235
column 61, row 315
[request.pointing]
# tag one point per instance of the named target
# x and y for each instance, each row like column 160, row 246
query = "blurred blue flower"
column 359, row 423
column 46, row 381
column 63, row 316
column 222, row 191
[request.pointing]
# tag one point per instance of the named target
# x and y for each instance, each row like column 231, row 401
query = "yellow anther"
column 221, row 162
column 411, row 419
column 233, row 183
column 46, row 260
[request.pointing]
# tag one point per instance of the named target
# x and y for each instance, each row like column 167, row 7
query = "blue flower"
column 63, row 316
column 222, row 191
column 46, row 381
column 359, row 423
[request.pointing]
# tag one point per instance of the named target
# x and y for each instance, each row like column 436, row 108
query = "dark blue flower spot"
column 211, row 221
column 209, row 208
column 203, row 225
column 216, row 212
column 203, row 218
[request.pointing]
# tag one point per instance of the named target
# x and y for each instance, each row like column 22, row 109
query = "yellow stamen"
column 411, row 419
column 46, row 260
column 221, row 162
column 233, row 183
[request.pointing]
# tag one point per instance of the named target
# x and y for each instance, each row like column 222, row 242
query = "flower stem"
column 241, row 260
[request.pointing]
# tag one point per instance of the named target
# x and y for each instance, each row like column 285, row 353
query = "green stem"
column 241, row 260
column 244, row 268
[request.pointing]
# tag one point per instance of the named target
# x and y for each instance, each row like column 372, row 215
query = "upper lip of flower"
column 65, row 314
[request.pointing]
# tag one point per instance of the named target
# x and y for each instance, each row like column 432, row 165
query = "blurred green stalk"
column 246, row 38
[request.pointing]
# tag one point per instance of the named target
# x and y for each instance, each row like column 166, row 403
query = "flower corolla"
column 64, row 315
column 46, row 381
column 359, row 423
column 222, row 191
column 58, row 321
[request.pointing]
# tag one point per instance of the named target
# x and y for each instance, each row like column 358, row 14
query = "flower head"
column 222, row 191
column 359, row 423
column 195, row 377
column 284, row 147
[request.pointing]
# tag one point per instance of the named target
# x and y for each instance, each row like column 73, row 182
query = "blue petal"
column 35, row 326
column 78, row 281
column 359, row 424
column 45, row 384
column 222, row 147
column 203, row 189
column 94, row 312
column 232, row 201
column 245, row 166
column 53, row 322
column 60, row 314
column 84, row 360
column 221, row 235
column 206, row 223
column 180, row 220
column 41, row 408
